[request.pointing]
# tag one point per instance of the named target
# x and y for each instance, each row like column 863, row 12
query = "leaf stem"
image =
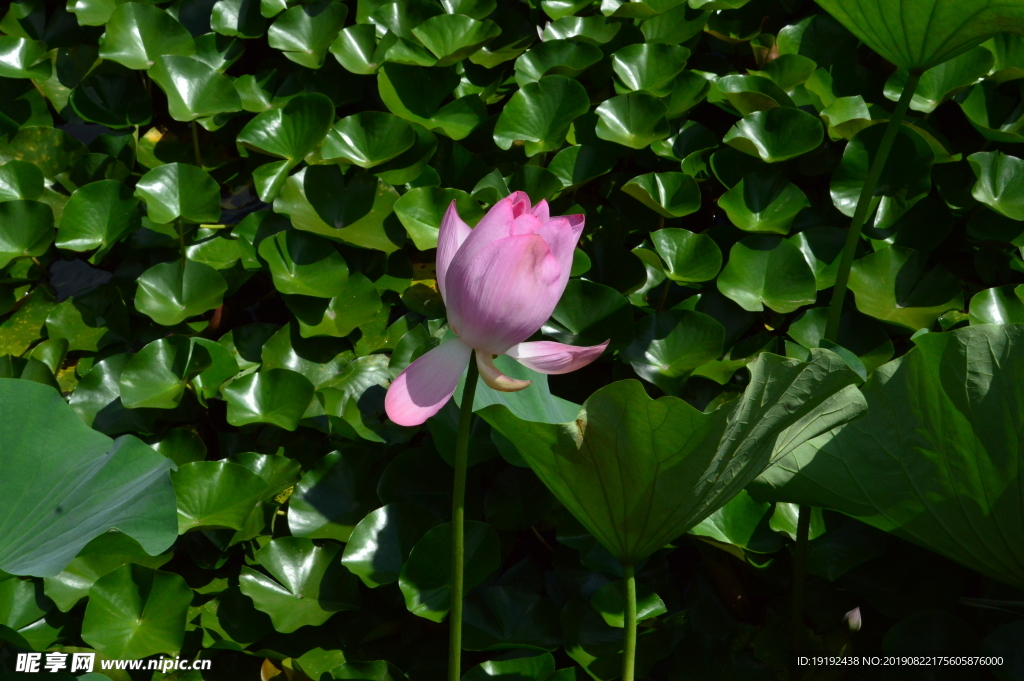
column 803, row 531
column 458, row 520
column 181, row 241
column 860, row 215
column 195, row 145
column 629, row 630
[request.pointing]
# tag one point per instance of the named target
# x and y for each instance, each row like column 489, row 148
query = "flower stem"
column 629, row 630
column 195, row 145
column 803, row 531
column 860, row 215
column 458, row 520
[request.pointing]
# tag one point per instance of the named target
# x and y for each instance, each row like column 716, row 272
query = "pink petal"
column 549, row 357
column 450, row 236
column 542, row 211
column 422, row 389
column 503, row 295
column 494, row 378
column 561, row 235
column 497, row 224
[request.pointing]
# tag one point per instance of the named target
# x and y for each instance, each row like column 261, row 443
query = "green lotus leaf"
column 304, row 264
column 947, row 404
column 767, row 270
column 110, row 96
column 527, row 667
column 135, row 611
column 590, row 314
column 356, row 304
column 671, row 195
column 671, row 447
column 426, row 575
column 354, row 402
column 634, row 120
column 610, row 601
column 539, row 114
column 416, row 94
column 557, row 9
column 999, row 305
column 596, row 29
column 171, row 292
column 23, row 58
column 380, row 544
column 940, row 83
column 305, row 586
column 675, row 26
column 749, row 94
column 776, row 135
column 332, row 497
column 650, row 67
column 764, row 201
column 293, row 131
column 193, row 88
column 356, row 49
column 477, row 9
column 156, row 376
column 999, row 183
column 504, row 617
column 919, row 34
column 822, row 247
column 52, row 150
column 556, row 58
column 26, row 230
column 453, row 37
column 422, row 209
column 669, row 345
column 411, row 164
column 318, row 359
column 788, row 70
column 304, row 32
column 687, row 257
column 216, row 494
column 368, row 138
column 820, row 38
column 238, row 18
column 577, row 165
column 120, row 483
column 20, row 180
column 97, row 216
column 276, row 396
column 136, row 34
column 992, row 113
column 179, row 191
column 894, row 285
column 749, row 525
column 400, row 18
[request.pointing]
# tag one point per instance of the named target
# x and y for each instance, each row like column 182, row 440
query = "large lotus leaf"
column 381, row 542
column 422, row 209
column 97, row 215
column 577, row 165
column 999, row 305
column 356, row 208
column 686, row 256
column 788, row 70
column 822, row 247
column 110, row 95
column 671, row 195
column 216, row 494
column 171, row 292
column 292, row 131
column 767, row 270
column 20, row 180
column 992, row 113
column 649, row 67
column 637, row 473
column 26, row 229
column 117, row 483
column 156, row 376
column 52, row 150
column 416, row 94
column 318, row 359
column 23, row 58
column 937, row 458
column 894, row 285
column 556, row 58
column 238, row 18
column 749, row 94
column 368, row 138
column 941, row 82
column 540, row 113
column 453, row 37
column 277, row 396
column 178, row 190
column 304, row 264
column 193, row 88
column 136, row 611
column 426, row 576
column 669, row 345
column 764, row 201
column 333, row 497
column 304, row 32
column 596, row 29
column 356, row 304
column 306, row 584
column 137, row 34
column 507, row 617
column 777, row 134
column 634, row 120
column 589, row 314
column 919, row 34
column 1000, row 183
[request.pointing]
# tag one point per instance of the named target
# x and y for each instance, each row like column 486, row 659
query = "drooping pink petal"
column 561, row 235
column 549, row 357
column 452, row 233
column 422, row 389
column 493, row 377
column 504, row 294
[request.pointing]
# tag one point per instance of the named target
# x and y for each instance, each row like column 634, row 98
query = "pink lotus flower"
column 500, row 282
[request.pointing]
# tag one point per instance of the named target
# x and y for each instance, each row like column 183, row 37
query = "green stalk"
column 458, row 521
column 195, row 145
column 629, row 630
column 835, row 308
column 803, row 531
